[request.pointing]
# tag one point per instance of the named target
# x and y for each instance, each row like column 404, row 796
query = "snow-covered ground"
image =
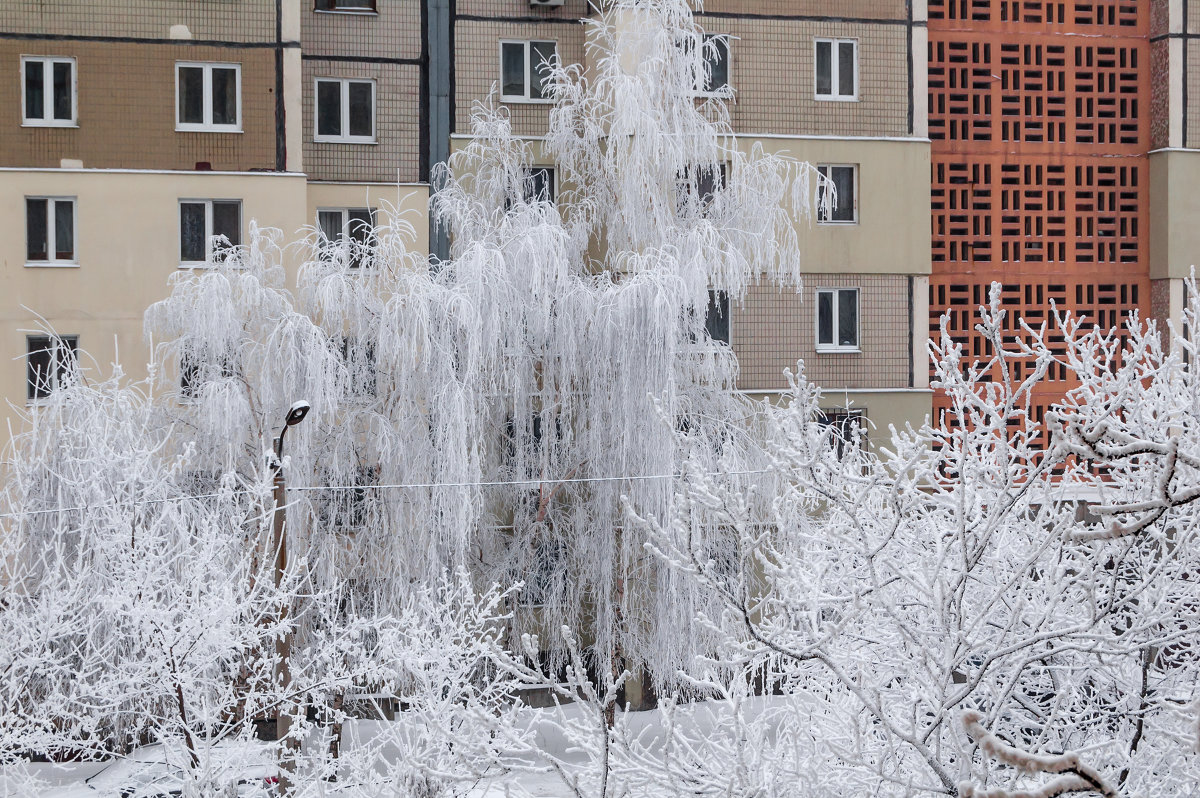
column 154, row 770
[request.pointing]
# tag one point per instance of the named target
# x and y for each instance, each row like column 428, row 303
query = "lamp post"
column 283, row 643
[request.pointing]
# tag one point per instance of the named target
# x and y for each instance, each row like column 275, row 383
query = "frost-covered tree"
column 969, row 608
column 492, row 410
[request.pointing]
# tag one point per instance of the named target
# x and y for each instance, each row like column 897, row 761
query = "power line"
column 396, row 486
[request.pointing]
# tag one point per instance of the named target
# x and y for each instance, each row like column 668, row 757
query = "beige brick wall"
column 477, row 67
column 220, row 20
column 570, row 9
column 843, row 9
column 126, row 109
column 772, row 73
column 396, row 155
column 394, row 32
column 774, row 328
column 1192, row 50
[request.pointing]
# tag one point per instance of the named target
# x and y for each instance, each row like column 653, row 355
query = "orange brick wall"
column 1040, row 124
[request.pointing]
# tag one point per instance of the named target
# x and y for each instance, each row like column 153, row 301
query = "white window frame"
column 52, row 261
column 207, row 125
column 854, row 220
column 208, row 228
column 343, row 240
column 725, row 91
column 48, row 120
column 834, row 95
column 344, row 111
column 835, row 347
column 529, row 67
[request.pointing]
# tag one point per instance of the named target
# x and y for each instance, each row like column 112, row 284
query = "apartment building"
column 840, row 87
column 1060, row 144
column 131, row 133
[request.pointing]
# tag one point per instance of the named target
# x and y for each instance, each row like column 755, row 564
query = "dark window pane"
column 358, row 226
column 717, row 56
column 35, row 90
column 362, row 115
column 191, row 95
column 329, row 108
column 512, row 69
column 39, row 371
column 846, row 69
column 64, row 230
column 825, row 318
column 539, row 185
column 843, row 181
column 68, row 353
column 227, row 223
column 848, row 318
column 824, row 68
column 716, row 319
column 191, row 231
column 541, row 56
column 330, row 223
column 224, row 99
column 189, row 377
column 36, row 245
column 62, row 91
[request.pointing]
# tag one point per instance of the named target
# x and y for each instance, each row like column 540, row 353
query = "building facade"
column 133, row 133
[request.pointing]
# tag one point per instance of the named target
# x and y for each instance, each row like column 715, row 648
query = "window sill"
column 835, row 99
column 838, row 350
column 45, row 264
column 198, row 264
column 206, row 129
column 833, row 223
column 354, row 12
column 524, row 101
column 63, row 124
column 332, row 140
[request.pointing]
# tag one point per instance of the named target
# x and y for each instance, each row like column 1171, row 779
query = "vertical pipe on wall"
column 438, row 63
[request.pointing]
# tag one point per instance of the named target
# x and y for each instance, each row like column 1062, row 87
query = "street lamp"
column 283, row 643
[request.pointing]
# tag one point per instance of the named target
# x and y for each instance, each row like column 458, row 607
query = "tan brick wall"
column 220, row 20
column 843, row 9
column 1193, row 15
column 772, row 72
column 477, row 67
column 126, row 109
column 774, row 328
column 1192, row 50
column 395, row 32
column 570, row 9
column 397, row 153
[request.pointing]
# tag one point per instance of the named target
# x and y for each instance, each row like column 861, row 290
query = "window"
column 837, row 319
column 195, row 373
column 716, row 318
column 359, row 357
column 50, row 231
column 208, row 97
column 208, row 229
column 842, row 206
column 349, row 231
column 697, row 186
column 345, row 5
column 49, row 91
column 845, row 425
column 837, row 69
column 345, row 110
column 523, row 68
column 538, row 185
column 716, row 59
column 50, row 359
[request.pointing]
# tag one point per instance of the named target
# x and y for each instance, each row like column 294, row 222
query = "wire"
column 400, row 486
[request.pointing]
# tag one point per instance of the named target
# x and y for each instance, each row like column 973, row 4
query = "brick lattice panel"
column 1038, row 115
